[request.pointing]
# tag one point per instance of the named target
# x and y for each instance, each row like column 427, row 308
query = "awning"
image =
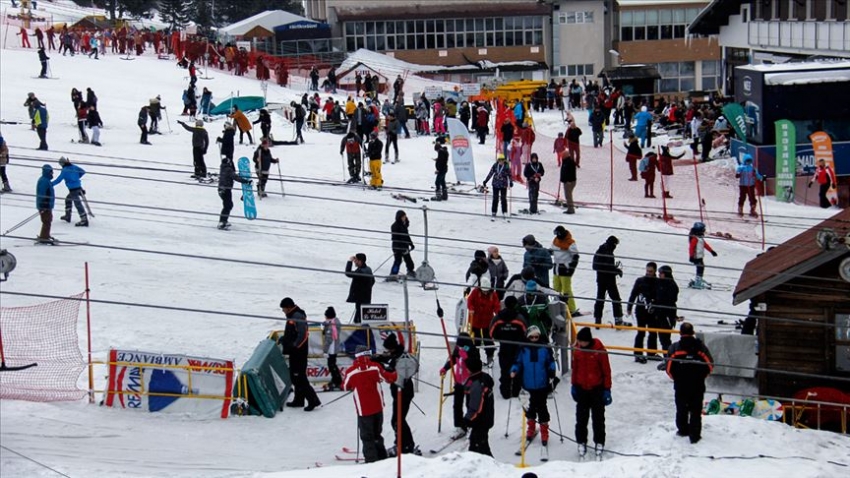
column 631, row 72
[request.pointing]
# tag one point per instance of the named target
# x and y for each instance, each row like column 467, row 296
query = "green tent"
column 264, row 382
column 245, row 103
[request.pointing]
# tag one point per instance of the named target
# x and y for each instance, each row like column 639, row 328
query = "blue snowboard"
column 247, row 191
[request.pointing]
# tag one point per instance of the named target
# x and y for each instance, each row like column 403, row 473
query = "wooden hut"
column 800, row 292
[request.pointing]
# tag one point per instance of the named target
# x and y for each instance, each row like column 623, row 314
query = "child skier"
column 464, row 351
column 696, row 251
column 330, row 347
column 536, row 364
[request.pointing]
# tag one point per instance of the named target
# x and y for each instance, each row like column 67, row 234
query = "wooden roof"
column 792, row 258
column 258, row 31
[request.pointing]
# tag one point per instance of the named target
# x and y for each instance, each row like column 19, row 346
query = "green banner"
column 786, row 160
column 738, row 119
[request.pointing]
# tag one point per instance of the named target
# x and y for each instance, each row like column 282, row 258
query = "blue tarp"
column 245, row 103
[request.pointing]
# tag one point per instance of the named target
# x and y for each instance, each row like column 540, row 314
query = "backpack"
column 643, row 165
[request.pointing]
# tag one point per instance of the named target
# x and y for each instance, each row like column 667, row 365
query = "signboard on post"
column 470, row 89
column 461, row 148
column 786, row 160
column 433, row 92
column 375, row 312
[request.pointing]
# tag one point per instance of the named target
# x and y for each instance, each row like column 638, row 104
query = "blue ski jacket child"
column 71, row 174
column 536, row 365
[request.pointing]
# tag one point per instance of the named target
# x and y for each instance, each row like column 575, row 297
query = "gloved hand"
column 606, row 398
column 555, row 382
column 628, row 311
column 713, row 253
column 440, row 312
column 442, row 372
column 619, row 272
column 570, row 271
column 551, row 373
column 810, row 184
column 574, row 392
column 412, row 247
column 511, row 184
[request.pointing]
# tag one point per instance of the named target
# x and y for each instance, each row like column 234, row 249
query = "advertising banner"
column 461, row 148
column 171, row 383
column 737, row 119
column 786, row 160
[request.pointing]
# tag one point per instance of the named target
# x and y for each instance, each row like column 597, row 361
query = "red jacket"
column 364, row 377
column 560, row 145
column 824, row 176
column 527, row 135
column 482, row 308
column 591, row 368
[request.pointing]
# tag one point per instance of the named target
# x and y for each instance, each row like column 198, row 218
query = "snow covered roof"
column 778, row 67
column 384, row 64
column 659, row 3
column 807, row 77
column 268, row 20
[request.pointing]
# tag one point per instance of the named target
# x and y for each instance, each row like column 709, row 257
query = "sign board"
column 470, row 89
column 375, row 312
column 243, row 44
column 786, row 160
column 433, row 92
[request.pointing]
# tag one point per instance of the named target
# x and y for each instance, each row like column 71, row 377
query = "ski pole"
column 167, row 120
column 440, row 407
column 282, row 193
column 343, row 396
column 342, row 159
column 382, row 263
column 18, row 225
column 558, row 414
column 510, row 402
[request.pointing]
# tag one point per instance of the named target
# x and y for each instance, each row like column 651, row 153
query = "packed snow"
column 146, row 204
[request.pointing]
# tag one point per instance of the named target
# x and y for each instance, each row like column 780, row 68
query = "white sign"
column 375, row 312
column 243, row 44
column 470, row 89
column 432, row 92
column 461, row 151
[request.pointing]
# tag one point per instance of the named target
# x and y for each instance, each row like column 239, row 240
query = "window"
column 676, row 77
column 571, row 18
column 842, row 342
column 576, row 70
column 710, row 75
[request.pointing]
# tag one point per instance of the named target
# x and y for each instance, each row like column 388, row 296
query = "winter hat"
column 330, row 313
column 533, row 330
column 199, row 123
column 584, row 335
column 531, row 285
column 484, row 282
column 47, row 168
column 748, row 158
column 686, row 328
column 63, row 161
column 529, row 475
column 667, row 271
column 391, row 342
column 560, row 231
column 362, row 350
column 480, row 255
column 529, row 240
column 510, row 302
column 360, row 257
column 612, row 241
column 473, row 363
column 287, row 303
column 643, row 109
column 527, row 273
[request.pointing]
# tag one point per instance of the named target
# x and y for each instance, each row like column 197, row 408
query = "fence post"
column 611, row 190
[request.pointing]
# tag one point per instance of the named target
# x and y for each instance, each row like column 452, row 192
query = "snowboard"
column 247, row 192
column 762, row 409
column 461, row 315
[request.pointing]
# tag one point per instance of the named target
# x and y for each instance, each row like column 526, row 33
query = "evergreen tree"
column 174, row 12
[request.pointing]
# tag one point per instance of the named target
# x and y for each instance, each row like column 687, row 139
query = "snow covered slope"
column 147, row 205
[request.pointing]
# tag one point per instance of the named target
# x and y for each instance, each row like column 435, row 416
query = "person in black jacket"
column 374, row 150
column 689, row 365
column 441, row 169
column 265, row 121
column 480, row 407
column 226, row 141
column 294, row 342
column 299, row 120
column 402, row 245
column 263, row 161
column 533, row 173
column 568, row 178
column 666, row 296
column 362, row 280
column 95, row 123
column 643, row 296
column 143, row 125
column 510, row 326
column 43, row 58
column 607, row 271
column 200, row 143
column 390, row 358
column 226, row 175
column 477, row 268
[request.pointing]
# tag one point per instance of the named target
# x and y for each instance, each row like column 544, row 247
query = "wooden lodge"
column 800, row 293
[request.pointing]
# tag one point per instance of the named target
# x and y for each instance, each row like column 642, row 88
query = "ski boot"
column 531, row 430
column 582, row 450
column 740, row 211
column 598, row 449
column 544, row 434
column 48, row 241
column 753, row 212
column 224, row 226
column 66, row 217
column 458, row 433
column 83, row 223
column 6, row 187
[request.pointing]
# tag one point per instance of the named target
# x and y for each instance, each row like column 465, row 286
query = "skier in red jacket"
column 364, row 377
column 591, row 389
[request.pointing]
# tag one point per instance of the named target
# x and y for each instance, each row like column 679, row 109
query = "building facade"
column 774, row 31
column 446, row 32
column 580, row 38
column 655, row 32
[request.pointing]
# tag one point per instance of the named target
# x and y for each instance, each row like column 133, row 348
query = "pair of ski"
column 544, row 449
column 504, row 218
column 582, row 453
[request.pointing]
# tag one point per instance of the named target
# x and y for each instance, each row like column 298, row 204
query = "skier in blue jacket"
column 44, row 200
column 536, row 363
column 71, row 174
column 747, row 176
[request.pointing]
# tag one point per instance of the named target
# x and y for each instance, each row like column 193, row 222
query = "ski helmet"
column 560, row 231
column 699, row 227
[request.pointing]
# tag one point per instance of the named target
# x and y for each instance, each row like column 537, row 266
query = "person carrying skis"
column 71, row 174
column 508, row 328
column 45, row 198
column 480, row 407
column 362, row 281
column 95, row 123
column 226, row 176
column 374, row 150
column 533, row 173
column 535, row 363
column 401, row 246
column 501, row 174
column 696, row 253
column 825, row 178
column 330, row 348
column 483, row 305
column 591, row 389
column 200, row 143
column 393, row 351
column 747, row 176
column 565, row 257
column 607, row 271
column 666, row 296
column 538, row 258
column 294, row 342
column 441, row 165
column 364, row 378
column 350, row 144
column 463, row 352
column 689, row 364
column 242, row 123
column 643, row 295
column 262, row 163
column 265, row 121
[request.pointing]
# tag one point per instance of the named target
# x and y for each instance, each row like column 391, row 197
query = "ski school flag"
column 461, row 151
column 737, row 118
column 168, row 382
column 786, row 160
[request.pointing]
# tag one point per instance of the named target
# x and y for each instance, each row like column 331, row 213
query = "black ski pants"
column 537, row 407
column 355, row 162
column 198, row 160
column 370, row 434
column 398, row 257
column 533, row 194
column 606, row 284
column 407, row 443
column 590, row 403
column 242, row 135
column 479, row 440
column 482, row 338
column 226, row 196
column 665, row 318
column 457, row 406
column 336, row 377
column 644, row 319
column 392, row 139
column 144, row 138
column 298, row 377
column 500, row 195
column 262, row 179
column 42, row 138
column 508, row 387
column 689, row 410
